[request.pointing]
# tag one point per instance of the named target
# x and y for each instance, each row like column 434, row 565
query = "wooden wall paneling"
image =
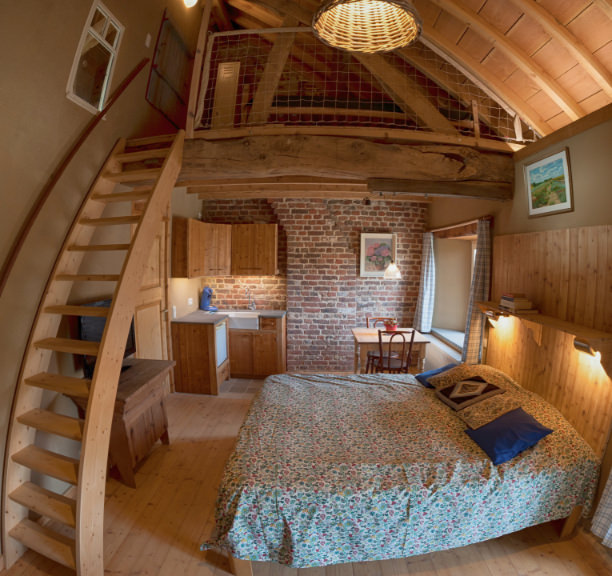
column 572, row 381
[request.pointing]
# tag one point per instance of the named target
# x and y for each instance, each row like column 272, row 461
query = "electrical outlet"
column 189, row 301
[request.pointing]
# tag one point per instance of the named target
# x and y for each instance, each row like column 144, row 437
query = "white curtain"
column 427, row 291
column 479, row 292
column 602, row 519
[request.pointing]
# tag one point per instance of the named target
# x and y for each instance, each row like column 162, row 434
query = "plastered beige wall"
column 38, row 41
column 591, row 174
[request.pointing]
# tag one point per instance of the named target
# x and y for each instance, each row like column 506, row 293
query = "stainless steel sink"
column 242, row 319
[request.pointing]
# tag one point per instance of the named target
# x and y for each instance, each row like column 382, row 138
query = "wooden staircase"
column 66, row 529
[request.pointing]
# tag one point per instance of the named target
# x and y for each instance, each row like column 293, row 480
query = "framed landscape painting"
column 549, row 187
column 377, row 252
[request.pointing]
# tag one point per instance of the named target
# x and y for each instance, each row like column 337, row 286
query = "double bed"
column 330, row 469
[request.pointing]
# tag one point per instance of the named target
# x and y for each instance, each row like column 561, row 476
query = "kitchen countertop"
column 203, row 317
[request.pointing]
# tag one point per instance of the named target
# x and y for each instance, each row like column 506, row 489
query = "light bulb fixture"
column 190, row 3
column 582, row 346
column 367, row 25
column 392, row 272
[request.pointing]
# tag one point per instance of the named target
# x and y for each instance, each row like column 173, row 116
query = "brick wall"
column 319, row 283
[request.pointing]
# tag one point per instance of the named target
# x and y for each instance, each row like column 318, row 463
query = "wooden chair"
column 373, row 355
column 395, row 355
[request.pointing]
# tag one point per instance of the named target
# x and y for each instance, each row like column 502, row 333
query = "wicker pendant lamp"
column 367, row 25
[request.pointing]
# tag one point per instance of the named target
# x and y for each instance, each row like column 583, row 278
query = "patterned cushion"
column 466, row 371
column 465, row 393
column 424, row 377
column 488, row 410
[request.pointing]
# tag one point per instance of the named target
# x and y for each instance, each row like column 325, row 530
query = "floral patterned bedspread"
column 330, row 469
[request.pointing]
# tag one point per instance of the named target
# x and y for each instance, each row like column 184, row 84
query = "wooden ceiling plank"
column 548, row 84
column 485, row 79
column 406, row 93
column 578, row 50
column 605, row 6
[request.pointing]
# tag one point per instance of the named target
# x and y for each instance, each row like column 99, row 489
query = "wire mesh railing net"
column 288, row 77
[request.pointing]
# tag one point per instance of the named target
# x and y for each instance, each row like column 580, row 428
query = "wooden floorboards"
column 156, row 529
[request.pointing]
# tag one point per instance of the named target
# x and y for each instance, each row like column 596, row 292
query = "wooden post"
column 240, row 567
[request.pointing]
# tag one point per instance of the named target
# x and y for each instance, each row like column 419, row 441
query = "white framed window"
column 94, row 61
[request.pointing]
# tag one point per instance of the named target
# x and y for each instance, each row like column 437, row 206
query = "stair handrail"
column 28, row 223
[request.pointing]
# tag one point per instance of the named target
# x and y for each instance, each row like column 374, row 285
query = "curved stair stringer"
column 78, row 543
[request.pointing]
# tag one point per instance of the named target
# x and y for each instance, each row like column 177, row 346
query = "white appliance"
column 221, row 342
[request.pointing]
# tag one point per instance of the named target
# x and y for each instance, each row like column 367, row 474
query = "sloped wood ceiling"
column 486, row 78
column 550, row 61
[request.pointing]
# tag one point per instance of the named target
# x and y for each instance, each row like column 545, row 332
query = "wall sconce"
column 585, row 347
column 190, row 3
column 392, row 272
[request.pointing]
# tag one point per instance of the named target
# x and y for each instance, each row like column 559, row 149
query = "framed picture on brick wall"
column 377, row 252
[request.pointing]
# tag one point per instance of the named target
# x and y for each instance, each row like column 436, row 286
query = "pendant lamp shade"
column 367, row 25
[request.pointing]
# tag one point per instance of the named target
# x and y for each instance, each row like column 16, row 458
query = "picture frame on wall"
column 549, row 186
column 377, row 252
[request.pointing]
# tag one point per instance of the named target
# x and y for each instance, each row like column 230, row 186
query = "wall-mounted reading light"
column 190, row 3
column 582, row 346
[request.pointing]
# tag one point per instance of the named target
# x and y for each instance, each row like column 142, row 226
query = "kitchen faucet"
column 251, row 305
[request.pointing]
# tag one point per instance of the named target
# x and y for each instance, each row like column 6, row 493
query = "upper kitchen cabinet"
column 217, row 249
column 187, row 248
column 200, row 248
column 255, row 249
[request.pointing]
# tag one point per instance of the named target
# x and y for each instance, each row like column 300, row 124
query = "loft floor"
column 156, row 529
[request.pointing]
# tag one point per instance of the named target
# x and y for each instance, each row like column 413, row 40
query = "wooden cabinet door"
column 216, row 246
column 254, row 249
column 264, row 353
column 241, row 352
column 195, row 248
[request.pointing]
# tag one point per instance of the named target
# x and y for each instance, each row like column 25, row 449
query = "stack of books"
column 517, row 303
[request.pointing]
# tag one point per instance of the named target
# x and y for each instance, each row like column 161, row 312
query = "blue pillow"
column 505, row 437
column 423, row 377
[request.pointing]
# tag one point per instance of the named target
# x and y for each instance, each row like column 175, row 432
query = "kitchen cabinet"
column 217, row 249
column 187, row 248
column 259, row 353
column 201, row 354
column 254, row 249
column 200, row 248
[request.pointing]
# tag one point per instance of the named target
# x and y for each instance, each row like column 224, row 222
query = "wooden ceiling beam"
column 464, row 189
column 221, row 15
column 347, row 158
column 535, row 72
column 406, row 93
column 560, row 33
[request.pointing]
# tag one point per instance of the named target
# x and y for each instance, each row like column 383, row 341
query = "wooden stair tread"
column 131, row 196
column 87, row 277
column 53, row 423
column 46, row 542
column 74, row 310
column 140, row 155
column 98, row 247
column 114, row 221
column 133, row 175
column 48, row 463
column 68, row 385
column 69, row 345
column 149, row 140
column 46, row 503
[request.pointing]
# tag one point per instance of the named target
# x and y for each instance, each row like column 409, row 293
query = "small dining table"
column 366, row 339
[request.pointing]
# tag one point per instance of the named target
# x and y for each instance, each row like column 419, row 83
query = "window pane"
column 98, row 22
column 90, row 80
column 112, row 34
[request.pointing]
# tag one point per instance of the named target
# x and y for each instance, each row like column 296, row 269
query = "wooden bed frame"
column 539, row 353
